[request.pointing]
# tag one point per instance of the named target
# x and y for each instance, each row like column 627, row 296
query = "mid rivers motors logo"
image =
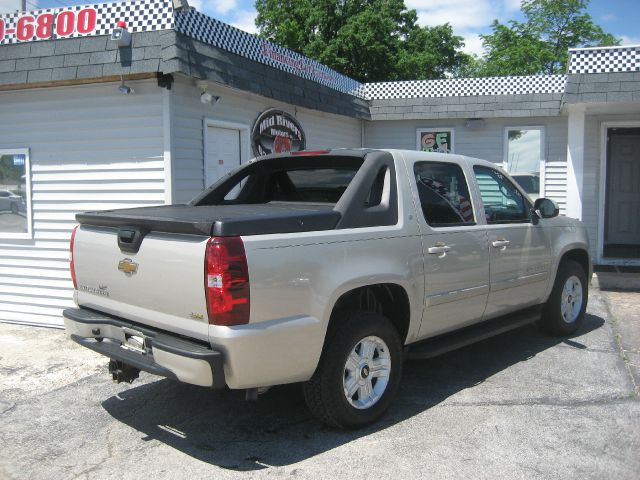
column 276, row 131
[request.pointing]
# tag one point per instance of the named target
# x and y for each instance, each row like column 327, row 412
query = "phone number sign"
column 85, row 20
column 46, row 26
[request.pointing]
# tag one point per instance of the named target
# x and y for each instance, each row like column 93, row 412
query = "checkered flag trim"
column 221, row 35
column 140, row 16
column 453, row 87
column 605, row 60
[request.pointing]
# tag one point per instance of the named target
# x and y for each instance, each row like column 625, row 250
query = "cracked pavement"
column 520, row 405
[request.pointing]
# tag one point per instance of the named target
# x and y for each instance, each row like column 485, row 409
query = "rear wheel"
column 564, row 311
column 359, row 371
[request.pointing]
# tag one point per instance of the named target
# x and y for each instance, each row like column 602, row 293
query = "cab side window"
column 444, row 194
column 503, row 202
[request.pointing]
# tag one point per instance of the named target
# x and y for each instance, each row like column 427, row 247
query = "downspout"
column 166, row 136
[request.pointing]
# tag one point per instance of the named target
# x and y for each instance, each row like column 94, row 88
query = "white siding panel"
column 555, row 183
column 37, row 253
column 322, row 130
column 30, row 309
column 62, row 265
column 92, row 186
column 31, row 273
column 30, row 318
column 97, row 166
column 91, row 149
column 38, row 294
column 42, row 301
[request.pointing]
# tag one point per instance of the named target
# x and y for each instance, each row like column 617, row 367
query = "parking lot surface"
column 520, row 405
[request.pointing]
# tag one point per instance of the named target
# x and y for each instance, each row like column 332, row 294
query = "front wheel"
column 359, row 371
column 14, row 208
column 564, row 311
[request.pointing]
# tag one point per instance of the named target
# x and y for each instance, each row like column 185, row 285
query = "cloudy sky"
column 469, row 18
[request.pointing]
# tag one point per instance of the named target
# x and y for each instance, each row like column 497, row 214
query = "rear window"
column 324, row 185
column 309, row 179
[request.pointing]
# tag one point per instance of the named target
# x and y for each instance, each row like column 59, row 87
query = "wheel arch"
column 578, row 253
column 388, row 299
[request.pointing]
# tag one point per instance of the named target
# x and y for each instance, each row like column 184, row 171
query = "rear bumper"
column 162, row 354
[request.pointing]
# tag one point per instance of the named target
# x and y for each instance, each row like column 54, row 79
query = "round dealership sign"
column 276, row 131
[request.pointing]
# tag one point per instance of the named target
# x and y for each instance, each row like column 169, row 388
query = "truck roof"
column 397, row 153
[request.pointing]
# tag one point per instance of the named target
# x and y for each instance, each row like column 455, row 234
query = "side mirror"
column 546, row 208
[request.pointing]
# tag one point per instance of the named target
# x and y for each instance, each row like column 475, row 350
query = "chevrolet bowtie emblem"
column 128, row 266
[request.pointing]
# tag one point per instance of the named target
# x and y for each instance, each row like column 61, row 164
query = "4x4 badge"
column 128, row 266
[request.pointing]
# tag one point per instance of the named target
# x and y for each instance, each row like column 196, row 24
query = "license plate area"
column 135, row 341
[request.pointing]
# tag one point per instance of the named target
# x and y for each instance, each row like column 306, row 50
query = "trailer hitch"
column 122, row 372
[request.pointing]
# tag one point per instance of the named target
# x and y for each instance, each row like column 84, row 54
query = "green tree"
column 539, row 44
column 368, row 40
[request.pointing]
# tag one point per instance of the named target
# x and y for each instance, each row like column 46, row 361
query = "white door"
column 222, row 152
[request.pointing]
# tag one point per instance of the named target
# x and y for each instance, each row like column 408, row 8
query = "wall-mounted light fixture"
column 121, row 35
column 124, row 89
column 207, row 98
column 475, row 124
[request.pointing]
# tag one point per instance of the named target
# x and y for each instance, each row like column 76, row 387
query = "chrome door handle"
column 501, row 243
column 439, row 249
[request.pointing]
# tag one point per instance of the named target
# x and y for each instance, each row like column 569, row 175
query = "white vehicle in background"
column 530, row 183
column 11, row 202
column 326, row 268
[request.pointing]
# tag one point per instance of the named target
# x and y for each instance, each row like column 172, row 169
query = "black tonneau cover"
column 220, row 220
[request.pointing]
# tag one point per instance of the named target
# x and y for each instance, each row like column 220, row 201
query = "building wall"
column 591, row 206
column 486, row 143
column 90, row 148
column 453, row 98
column 323, row 130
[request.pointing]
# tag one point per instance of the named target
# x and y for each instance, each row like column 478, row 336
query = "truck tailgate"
column 162, row 285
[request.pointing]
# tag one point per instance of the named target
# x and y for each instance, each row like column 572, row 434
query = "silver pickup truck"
column 327, row 268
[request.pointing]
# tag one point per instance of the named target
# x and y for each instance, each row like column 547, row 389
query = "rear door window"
column 444, row 194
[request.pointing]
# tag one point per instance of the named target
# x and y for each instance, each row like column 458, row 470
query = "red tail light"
column 71, row 264
column 226, row 281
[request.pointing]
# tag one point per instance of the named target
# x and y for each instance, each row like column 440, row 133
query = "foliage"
column 368, row 40
column 9, row 173
column 539, row 44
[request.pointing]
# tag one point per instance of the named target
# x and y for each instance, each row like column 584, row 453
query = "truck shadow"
column 220, row 428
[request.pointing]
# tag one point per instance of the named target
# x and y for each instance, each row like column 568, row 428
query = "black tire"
column 14, row 208
column 553, row 321
column 324, row 393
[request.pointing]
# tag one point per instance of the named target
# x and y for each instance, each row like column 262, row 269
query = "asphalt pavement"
column 520, row 405
column 10, row 223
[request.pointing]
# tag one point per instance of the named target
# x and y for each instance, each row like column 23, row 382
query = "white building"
column 72, row 139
